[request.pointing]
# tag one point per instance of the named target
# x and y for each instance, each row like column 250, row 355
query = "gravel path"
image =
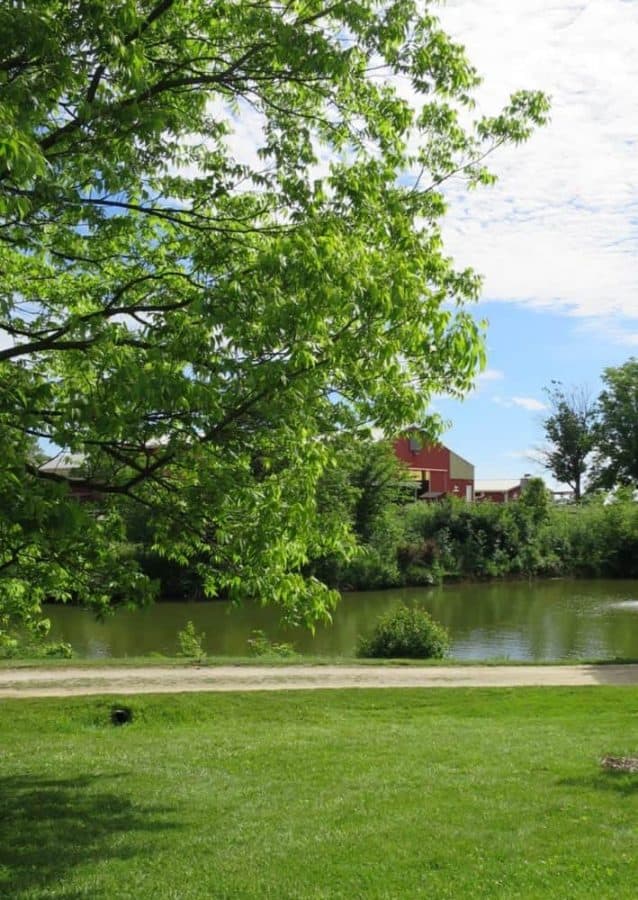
column 72, row 681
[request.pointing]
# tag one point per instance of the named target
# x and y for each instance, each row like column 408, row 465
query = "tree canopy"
column 220, row 247
column 570, row 430
column 617, row 436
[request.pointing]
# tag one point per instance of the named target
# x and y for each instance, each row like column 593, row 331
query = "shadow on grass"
column 620, row 782
column 50, row 825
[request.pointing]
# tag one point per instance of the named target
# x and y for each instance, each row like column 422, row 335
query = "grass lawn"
column 335, row 794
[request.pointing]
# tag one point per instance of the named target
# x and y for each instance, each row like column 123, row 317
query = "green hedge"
column 426, row 543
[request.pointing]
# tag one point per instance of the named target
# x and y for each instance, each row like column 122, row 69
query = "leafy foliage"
column 454, row 539
column 191, row 644
column 617, row 438
column 406, row 633
column 361, row 489
column 260, row 645
column 429, row 543
column 570, row 429
column 198, row 326
column 601, row 539
column 58, row 650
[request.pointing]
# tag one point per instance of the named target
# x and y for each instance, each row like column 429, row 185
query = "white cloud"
column 529, row 403
column 560, row 230
column 490, row 375
column 621, row 331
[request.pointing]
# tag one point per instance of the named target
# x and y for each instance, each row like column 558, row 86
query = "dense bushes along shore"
column 398, row 544
column 428, row 543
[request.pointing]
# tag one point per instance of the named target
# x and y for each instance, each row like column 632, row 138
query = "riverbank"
column 432, row 543
column 181, row 662
column 492, row 793
column 77, row 681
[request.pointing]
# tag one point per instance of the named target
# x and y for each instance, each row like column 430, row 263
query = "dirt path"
column 71, row 681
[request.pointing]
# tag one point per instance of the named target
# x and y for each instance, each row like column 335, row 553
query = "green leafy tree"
column 197, row 321
column 570, row 430
column 360, row 491
column 367, row 479
column 535, row 501
column 617, row 434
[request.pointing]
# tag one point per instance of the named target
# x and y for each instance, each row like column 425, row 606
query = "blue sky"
column 498, row 426
column 557, row 238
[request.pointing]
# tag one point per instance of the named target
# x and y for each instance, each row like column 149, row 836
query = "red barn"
column 436, row 469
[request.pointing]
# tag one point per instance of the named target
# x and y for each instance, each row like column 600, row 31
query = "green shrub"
column 191, row 644
column 369, row 569
column 427, row 543
column 59, row 650
column 9, row 647
column 408, row 632
column 260, row 645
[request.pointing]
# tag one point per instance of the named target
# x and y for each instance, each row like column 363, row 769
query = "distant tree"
column 570, row 431
column 617, row 433
column 362, row 485
column 379, row 480
column 535, row 499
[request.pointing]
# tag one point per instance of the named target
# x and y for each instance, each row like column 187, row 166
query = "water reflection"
column 557, row 619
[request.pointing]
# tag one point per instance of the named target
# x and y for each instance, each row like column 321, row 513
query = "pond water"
column 543, row 620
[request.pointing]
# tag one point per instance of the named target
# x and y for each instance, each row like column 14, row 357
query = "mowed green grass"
column 326, row 794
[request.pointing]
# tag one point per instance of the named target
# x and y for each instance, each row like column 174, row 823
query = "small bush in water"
column 259, row 645
column 191, row 644
column 61, row 650
column 406, row 633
